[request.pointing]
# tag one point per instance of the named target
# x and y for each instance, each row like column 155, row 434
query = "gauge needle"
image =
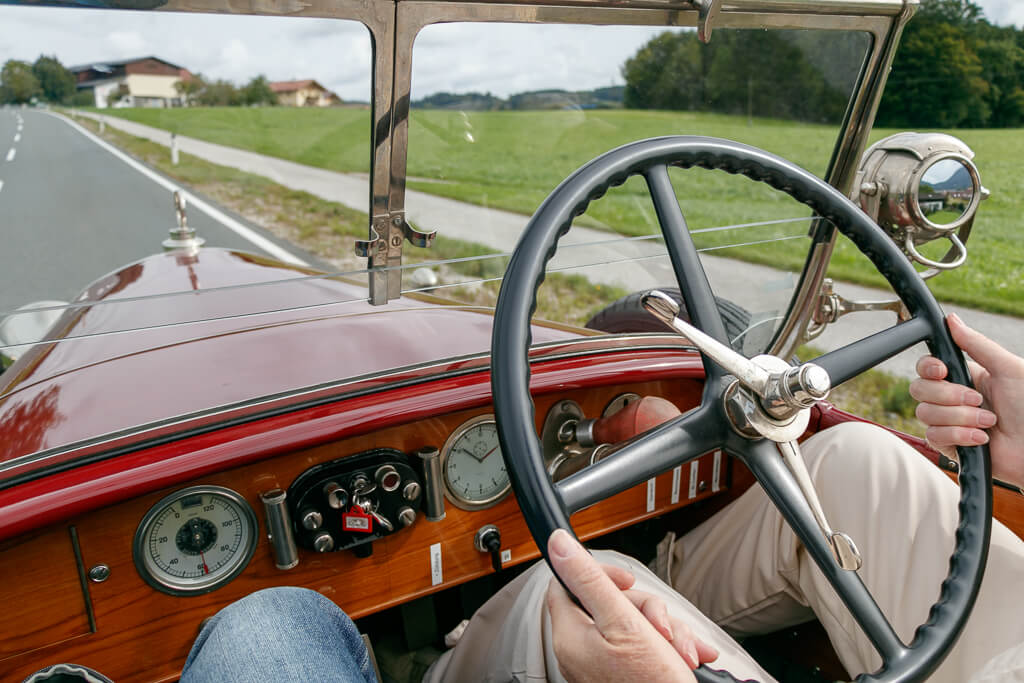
column 488, row 453
column 471, row 454
column 206, row 570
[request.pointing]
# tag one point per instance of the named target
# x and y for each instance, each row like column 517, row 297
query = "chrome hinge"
column 383, row 249
column 707, row 12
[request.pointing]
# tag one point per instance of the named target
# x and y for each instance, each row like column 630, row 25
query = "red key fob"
column 357, row 521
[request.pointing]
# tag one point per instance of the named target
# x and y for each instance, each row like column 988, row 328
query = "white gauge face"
column 474, row 470
column 195, row 540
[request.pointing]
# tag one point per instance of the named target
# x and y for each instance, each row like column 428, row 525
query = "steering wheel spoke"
column 673, row 443
column 786, row 493
column 693, row 281
column 862, row 355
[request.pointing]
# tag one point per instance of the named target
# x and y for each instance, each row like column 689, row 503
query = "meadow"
column 512, row 159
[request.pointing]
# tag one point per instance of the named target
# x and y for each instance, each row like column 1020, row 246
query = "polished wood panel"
column 144, row 635
column 1008, row 508
column 41, row 599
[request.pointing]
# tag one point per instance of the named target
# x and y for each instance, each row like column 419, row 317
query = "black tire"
column 628, row 315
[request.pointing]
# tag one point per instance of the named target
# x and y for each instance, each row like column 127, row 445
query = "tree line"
column 198, row 91
column 953, row 68
column 47, row 80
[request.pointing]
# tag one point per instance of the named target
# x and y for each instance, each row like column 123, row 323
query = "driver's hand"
column 994, row 414
column 630, row 636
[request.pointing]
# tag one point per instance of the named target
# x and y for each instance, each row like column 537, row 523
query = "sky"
column 500, row 59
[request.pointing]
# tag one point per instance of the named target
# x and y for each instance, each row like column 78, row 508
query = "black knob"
column 488, row 540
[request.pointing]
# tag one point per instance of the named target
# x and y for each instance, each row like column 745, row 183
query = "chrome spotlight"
column 921, row 187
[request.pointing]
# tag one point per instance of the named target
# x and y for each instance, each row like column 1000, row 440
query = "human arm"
column 993, row 414
column 624, row 635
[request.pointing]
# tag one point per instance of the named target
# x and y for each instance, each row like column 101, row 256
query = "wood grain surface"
column 144, row 634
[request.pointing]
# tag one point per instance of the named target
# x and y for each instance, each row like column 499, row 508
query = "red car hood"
column 217, row 336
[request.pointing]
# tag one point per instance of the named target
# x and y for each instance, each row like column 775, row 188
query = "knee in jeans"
column 277, row 605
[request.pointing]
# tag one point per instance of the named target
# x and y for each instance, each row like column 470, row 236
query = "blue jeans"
column 279, row 634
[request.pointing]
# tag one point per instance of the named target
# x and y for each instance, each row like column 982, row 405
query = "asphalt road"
column 72, row 211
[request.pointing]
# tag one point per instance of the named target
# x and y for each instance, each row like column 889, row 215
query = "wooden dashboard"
column 53, row 612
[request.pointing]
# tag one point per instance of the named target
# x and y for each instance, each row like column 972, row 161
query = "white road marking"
column 1, row 185
column 227, row 221
column 11, row 153
column 17, row 137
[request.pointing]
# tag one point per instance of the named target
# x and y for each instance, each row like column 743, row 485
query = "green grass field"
column 512, row 160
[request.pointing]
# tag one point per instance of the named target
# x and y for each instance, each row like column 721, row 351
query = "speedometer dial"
column 474, row 470
column 195, row 540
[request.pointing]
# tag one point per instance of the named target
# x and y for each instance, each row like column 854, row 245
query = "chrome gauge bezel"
column 156, row 577
column 455, row 498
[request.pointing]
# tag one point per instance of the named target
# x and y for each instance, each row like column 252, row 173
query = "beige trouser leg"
column 746, row 570
column 509, row 638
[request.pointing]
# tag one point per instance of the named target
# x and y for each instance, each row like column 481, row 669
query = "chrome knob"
column 312, row 520
column 411, row 491
column 407, row 516
column 807, row 384
column 387, row 478
column 337, row 497
column 323, row 543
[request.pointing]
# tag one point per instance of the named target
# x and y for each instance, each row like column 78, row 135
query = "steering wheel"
column 752, row 409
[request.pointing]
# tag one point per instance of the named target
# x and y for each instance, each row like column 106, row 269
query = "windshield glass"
column 183, row 196
column 504, row 142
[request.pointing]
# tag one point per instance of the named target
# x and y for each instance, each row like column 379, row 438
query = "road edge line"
column 216, row 214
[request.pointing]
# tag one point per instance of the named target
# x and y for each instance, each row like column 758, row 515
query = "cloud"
column 127, row 43
column 1004, row 12
column 497, row 58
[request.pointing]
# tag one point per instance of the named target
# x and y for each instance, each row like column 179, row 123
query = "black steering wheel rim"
column 543, row 503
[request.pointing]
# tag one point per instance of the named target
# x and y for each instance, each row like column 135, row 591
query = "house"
column 141, row 82
column 307, row 93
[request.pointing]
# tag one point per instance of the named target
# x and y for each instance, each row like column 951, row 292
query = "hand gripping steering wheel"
column 752, row 409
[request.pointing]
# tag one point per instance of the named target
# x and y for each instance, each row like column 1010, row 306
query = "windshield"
column 184, row 196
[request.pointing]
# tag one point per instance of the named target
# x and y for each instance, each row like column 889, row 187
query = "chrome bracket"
column 383, row 249
column 830, row 307
column 707, row 12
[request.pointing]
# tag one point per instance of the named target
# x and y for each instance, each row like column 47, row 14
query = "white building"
column 140, row 82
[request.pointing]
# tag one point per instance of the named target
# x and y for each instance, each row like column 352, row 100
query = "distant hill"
column 470, row 101
column 959, row 180
column 599, row 98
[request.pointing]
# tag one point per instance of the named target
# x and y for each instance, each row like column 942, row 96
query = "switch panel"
column 352, row 501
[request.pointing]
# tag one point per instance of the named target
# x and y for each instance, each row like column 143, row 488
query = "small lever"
column 843, row 548
column 665, row 308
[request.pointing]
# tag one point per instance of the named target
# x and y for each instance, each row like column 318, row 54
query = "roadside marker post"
column 174, row 148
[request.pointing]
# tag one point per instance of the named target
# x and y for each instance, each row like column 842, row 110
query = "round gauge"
column 195, row 540
column 474, row 471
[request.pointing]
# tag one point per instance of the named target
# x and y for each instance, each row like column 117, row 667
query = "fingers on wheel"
column 955, row 416
column 930, row 367
column 620, row 576
column 942, row 393
column 686, row 643
column 945, row 438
